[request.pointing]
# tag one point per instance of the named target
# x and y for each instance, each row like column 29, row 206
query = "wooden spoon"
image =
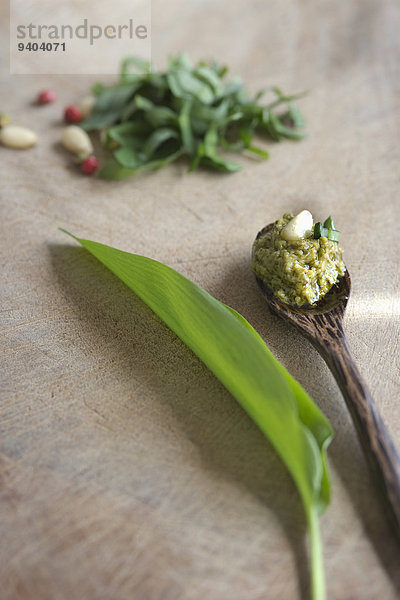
column 322, row 324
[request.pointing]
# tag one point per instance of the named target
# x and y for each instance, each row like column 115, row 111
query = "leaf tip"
column 68, row 233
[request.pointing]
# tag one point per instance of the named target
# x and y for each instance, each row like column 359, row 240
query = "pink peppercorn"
column 72, row 114
column 90, row 165
column 46, row 97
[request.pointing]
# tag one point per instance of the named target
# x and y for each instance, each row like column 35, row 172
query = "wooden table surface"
column 127, row 471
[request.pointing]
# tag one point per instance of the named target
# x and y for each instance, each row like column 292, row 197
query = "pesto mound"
column 299, row 271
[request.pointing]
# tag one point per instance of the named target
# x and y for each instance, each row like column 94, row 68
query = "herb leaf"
column 191, row 100
column 327, row 230
column 236, row 354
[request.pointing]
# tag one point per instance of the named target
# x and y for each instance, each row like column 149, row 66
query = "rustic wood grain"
column 126, row 470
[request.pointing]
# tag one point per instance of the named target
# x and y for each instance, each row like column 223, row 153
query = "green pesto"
column 298, row 272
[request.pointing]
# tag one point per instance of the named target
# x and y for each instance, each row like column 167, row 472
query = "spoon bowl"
column 322, row 324
column 336, row 299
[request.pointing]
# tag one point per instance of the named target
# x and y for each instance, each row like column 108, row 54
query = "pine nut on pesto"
column 298, row 271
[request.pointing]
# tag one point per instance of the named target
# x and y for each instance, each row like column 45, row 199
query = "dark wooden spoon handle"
column 374, row 437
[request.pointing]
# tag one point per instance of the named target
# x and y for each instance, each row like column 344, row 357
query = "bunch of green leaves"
column 237, row 355
column 151, row 118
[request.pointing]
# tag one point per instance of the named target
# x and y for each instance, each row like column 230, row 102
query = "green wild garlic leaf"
column 230, row 347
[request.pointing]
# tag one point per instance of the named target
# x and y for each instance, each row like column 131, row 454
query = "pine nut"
column 17, row 137
column 299, row 227
column 76, row 140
